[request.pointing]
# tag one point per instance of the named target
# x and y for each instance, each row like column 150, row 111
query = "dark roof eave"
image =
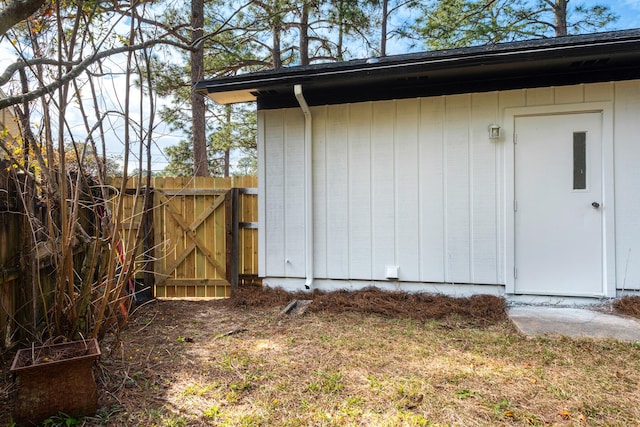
column 527, row 56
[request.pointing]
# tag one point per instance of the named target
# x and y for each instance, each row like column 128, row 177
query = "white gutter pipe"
column 308, row 187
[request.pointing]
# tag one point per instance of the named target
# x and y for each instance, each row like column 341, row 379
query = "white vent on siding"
column 391, row 271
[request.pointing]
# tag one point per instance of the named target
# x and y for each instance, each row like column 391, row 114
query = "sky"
column 628, row 12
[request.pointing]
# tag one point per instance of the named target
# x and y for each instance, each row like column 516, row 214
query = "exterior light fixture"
column 494, row 131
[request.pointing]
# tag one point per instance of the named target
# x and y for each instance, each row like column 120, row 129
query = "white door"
column 558, row 205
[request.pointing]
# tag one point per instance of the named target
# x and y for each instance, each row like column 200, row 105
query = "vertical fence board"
column 190, row 263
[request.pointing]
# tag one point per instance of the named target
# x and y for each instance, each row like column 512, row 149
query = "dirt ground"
column 369, row 358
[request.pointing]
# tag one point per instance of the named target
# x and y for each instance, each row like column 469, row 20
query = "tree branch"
column 79, row 68
column 171, row 30
column 15, row 11
column 22, row 64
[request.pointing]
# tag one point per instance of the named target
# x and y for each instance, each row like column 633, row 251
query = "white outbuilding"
column 511, row 169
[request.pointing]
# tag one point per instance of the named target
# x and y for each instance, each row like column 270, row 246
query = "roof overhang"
column 545, row 62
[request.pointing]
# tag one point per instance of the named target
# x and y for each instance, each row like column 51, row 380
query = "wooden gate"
column 190, row 231
column 204, row 236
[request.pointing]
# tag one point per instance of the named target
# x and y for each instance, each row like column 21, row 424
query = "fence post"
column 149, row 242
column 231, row 216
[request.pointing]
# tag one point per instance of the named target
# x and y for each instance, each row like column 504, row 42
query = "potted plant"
column 55, row 378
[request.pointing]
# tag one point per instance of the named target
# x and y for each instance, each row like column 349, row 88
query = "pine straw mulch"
column 477, row 310
column 628, row 305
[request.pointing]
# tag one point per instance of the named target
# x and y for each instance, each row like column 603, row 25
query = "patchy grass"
column 363, row 359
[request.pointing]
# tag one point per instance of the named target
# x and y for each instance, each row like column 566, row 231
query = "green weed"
column 212, row 412
column 327, row 382
column 61, row 420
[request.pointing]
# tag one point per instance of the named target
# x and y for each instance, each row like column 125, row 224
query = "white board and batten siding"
column 626, row 98
column 417, row 183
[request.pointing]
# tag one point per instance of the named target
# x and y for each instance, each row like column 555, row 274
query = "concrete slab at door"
column 558, row 205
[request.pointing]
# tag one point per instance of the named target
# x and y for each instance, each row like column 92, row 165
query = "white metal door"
column 558, row 205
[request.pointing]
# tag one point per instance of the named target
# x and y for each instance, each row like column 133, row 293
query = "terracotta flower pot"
column 55, row 378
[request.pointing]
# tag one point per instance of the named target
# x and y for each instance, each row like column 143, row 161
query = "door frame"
column 608, row 202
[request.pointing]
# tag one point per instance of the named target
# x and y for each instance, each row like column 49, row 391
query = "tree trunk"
column 304, row 34
column 560, row 13
column 275, row 51
column 227, row 162
column 339, row 55
column 383, row 29
column 200, row 162
column 229, row 142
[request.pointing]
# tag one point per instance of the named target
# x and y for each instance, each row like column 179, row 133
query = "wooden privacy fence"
column 21, row 298
column 202, row 239
column 10, row 246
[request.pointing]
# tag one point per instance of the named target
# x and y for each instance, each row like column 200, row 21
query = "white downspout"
column 308, row 186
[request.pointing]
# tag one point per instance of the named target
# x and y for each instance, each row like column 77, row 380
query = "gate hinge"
column 515, row 205
column 515, row 273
